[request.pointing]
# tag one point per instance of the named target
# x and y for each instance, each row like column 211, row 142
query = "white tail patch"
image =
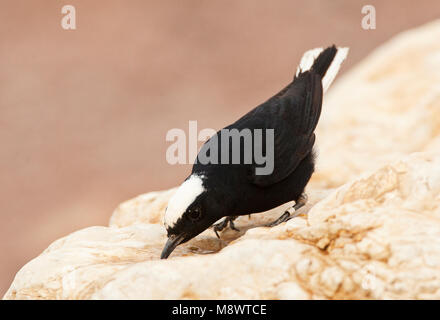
column 310, row 56
column 182, row 199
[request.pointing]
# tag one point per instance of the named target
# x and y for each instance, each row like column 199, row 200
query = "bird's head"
column 190, row 211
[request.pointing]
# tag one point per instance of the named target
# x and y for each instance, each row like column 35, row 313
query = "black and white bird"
column 217, row 190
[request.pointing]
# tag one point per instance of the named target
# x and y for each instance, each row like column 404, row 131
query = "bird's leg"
column 291, row 212
column 231, row 223
column 223, row 224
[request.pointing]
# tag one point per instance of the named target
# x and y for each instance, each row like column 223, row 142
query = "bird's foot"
column 290, row 213
column 223, row 224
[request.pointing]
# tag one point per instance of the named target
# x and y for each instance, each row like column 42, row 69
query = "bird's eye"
column 195, row 214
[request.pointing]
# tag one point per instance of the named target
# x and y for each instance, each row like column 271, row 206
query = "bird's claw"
column 232, row 225
column 290, row 213
column 223, row 224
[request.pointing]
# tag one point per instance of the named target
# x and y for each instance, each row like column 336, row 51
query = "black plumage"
column 235, row 189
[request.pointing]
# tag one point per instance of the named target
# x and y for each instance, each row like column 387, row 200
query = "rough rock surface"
column 372, row 228
column 384, row 108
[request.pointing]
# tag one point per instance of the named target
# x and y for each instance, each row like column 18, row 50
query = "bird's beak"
column 172, row 243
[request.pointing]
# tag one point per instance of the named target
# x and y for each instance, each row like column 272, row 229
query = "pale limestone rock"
column 360, row 241
column 146, row 208
column 385, row 107
column 375, row 234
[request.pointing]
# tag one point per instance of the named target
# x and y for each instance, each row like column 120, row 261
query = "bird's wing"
column 293, row 114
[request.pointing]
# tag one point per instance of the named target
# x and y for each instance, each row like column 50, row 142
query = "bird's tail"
column 325, row 62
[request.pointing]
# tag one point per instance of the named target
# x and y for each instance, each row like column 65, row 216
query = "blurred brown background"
column 84, row 113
